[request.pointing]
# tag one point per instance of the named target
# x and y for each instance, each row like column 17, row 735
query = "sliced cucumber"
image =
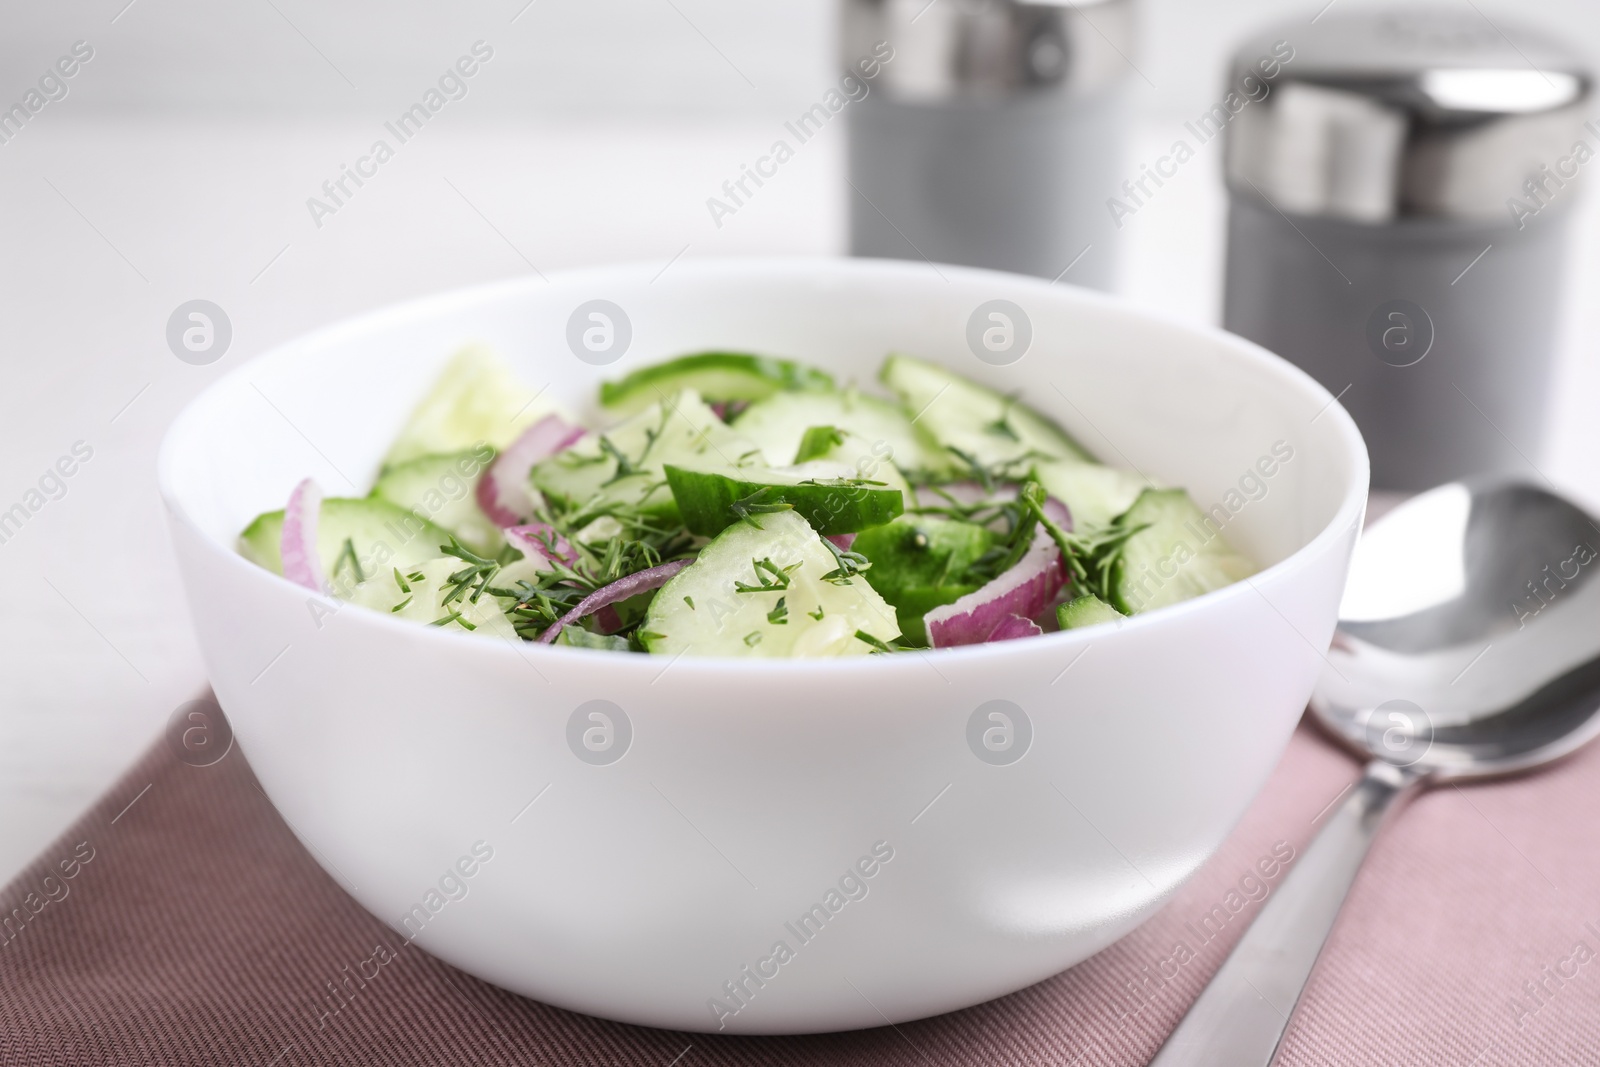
column 875, row 429
column 711, row 500
column 1094, row 494
column 819, row 441
column 917, row 565
column 682, row 430
column 442, row 487
column 1086, row 611
column 384, row 536
column 476, row 400
column 716, row 376
column 1178, row 556
column 578, row 637
column 765, row 594
column 974, row 420
column 416, row 594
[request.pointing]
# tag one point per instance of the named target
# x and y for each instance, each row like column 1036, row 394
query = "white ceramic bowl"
column 641, row 889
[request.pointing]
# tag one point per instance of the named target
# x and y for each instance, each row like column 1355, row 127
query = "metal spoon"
column 1468, row 646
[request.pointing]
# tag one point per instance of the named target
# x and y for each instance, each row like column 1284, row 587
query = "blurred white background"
column 178, row 167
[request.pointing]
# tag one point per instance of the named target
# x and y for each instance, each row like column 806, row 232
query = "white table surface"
column 110, row 224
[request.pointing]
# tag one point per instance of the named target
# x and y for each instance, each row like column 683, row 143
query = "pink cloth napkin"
column 180, row 923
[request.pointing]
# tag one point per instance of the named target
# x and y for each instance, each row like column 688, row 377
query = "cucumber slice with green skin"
column 1086, row 611
column 1178, row 556
column 992, row 429
column 476, row 400
column 416, row 595
column 819, row 441
column 441, row 488
column 1094, row 494
column 789, row 609
column 917, row 565
column 578, row 637
column 710, row 501
column 384, row 535
column 876, row 431
column 716, row 376
column 682, row 430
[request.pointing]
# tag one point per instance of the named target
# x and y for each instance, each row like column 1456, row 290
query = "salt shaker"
column 1399, row 209
column 991, row 134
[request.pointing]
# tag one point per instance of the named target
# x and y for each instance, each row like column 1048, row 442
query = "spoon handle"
column 1240, row 1018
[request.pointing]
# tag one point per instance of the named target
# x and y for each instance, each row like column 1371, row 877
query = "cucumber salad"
column 729, row 504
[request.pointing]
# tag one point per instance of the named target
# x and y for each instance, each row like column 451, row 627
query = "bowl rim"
column 1260, row 360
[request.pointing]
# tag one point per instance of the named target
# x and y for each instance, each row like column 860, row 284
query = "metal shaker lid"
column 991, row 49
column 1420, row 113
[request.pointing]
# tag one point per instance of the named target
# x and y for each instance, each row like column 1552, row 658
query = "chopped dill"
column 348, row 552
column 849, row 564
column 402, row 605
column 1091, row 558
column 878, row 646
column 774, row 578
column 758, row 503
column 401, row 582
column 779, row 615
column 1002, row 427
column 753, row 638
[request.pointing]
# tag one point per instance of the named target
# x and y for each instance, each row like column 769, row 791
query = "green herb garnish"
column 769, row 575
column 758, row 503
column 348, row 552
column 877, row 645
column 1090, row 558
column 850, row 564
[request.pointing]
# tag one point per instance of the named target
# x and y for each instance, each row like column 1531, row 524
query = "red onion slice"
column 1015, row 626
column 842, row 541
column 619, row 590
column 503, row 489
column 541, row 539
column 1025, row 590
column 297, row 545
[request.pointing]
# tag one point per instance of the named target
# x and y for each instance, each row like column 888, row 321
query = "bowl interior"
column 1188, row 407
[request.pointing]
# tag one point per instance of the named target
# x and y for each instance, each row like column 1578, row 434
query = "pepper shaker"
column 1399, row 209
column 989, row 137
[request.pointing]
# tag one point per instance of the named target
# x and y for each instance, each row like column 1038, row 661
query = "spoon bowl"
column 1469, row 636
column 1468, row 647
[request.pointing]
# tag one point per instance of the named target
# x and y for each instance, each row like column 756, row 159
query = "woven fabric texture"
column 180, row 922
